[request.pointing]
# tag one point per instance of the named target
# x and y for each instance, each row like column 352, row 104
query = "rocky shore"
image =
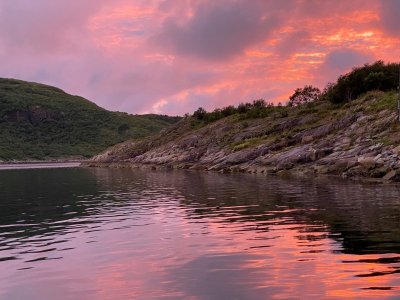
column 45, row 161
column 360, row 139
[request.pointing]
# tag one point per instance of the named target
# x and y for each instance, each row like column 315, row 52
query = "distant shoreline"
column 25, row 165
column 55, row 161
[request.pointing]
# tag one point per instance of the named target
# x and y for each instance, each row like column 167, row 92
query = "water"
column 121, row 234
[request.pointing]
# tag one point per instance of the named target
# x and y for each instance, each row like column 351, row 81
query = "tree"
column 244, row 107
column 376, row 76
column 200, row 113
column 260, row 103
column 228, row 110
column 304, row 95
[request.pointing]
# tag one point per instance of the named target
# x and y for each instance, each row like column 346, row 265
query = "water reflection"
column 106, row 234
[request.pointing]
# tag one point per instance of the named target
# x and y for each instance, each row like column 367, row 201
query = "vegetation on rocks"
column 40, row 122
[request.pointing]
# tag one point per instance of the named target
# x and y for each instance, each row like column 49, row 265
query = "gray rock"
column 393, row 175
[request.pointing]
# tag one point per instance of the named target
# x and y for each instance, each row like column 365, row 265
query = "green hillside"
column 39, row 122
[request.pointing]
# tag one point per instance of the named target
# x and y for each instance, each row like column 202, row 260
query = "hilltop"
column 354, row 137
column 38, row 121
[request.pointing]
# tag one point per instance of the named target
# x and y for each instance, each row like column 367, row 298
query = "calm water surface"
column 121, row 234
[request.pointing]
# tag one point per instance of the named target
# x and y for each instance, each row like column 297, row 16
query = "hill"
column 40, row 122
column 359, row 139
column 356, row 137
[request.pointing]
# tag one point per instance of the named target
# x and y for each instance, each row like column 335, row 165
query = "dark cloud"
column 219, row 30
column 389, row 14
column 342, row 60
column 328, row 8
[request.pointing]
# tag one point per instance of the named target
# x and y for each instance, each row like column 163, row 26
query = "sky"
column 173, row 56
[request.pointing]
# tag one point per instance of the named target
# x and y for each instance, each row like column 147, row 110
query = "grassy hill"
column 39, row 122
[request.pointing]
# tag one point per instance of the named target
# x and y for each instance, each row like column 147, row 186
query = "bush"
column 200, row 113
column 243, row 108
column 378, row 76
column 260, row 103
column 257, row 109
column 304, row 95
column 229, row 110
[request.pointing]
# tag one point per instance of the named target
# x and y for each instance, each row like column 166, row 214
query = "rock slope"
column 358, row 139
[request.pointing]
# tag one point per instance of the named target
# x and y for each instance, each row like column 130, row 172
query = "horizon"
column 171, row 57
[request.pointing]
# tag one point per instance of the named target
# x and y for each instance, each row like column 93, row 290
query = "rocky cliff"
column 357, row 139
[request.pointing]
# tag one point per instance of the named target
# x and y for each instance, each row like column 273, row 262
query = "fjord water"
column 128, row 234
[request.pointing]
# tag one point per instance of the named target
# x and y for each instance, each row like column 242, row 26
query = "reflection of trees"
column 364, row 218
column 36, row 202
column 44, row 205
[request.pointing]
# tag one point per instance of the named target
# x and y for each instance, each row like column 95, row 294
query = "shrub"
column 304, row 95
column 260, row 103
column 377, row 76
column 229, row 110
column 243, row 108
column 200, row 113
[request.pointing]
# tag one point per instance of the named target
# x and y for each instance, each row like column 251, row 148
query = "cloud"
column 44, row 26
column 294, row 41
column 317, row 9
column 172, row 56
column 389, row 15
column 218, row 30
column 340, row 61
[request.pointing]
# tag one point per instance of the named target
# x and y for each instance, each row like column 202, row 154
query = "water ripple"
column 98, row 233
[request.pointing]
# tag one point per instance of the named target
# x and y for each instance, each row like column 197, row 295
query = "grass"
column 317, row 113
column 383, row 101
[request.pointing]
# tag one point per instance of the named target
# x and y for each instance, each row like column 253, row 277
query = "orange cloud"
column 143, row 56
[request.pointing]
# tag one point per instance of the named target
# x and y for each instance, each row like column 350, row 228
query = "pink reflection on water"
column 287, row 261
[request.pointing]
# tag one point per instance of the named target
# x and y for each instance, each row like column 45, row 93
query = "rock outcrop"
column 34, row 115
column 360, row 139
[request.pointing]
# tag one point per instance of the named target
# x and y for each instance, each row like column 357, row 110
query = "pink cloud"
column 45, row 27
column 173, row 56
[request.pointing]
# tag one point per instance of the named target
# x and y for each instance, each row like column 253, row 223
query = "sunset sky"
column 172, row 56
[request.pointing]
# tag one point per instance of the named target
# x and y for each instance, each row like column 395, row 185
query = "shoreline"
column 293, row 173
column 20, row 165
column 27, row 162
column 359, row 140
